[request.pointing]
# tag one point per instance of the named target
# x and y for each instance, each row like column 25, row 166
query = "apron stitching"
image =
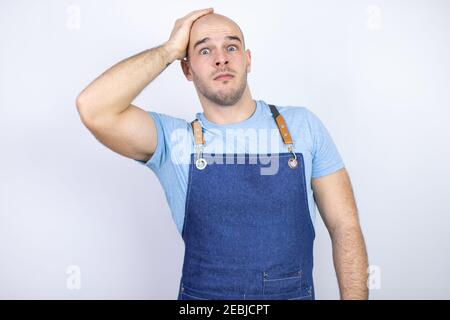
column 189, row 295
column 296, row 277
column 305, row 196
column 188, row 192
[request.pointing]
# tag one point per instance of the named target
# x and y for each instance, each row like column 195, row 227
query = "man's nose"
column 221, row 59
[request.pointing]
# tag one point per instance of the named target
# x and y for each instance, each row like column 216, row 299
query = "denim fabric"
column 247, row 235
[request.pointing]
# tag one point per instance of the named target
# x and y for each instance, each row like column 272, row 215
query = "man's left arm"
column 335, row 200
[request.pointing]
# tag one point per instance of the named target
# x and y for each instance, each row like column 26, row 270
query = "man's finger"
column 198, row 13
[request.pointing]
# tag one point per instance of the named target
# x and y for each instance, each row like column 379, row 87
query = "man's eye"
column 206, row 50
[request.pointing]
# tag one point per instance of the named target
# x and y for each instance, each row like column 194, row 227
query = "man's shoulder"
column 301, row 118
column 293, row 109
column 168, row 122
column 296, row 114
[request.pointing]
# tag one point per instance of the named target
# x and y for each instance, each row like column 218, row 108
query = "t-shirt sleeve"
column 165, row 126
column 326, row 157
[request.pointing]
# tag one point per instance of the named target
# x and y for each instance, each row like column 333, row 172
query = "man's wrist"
column 168, row 53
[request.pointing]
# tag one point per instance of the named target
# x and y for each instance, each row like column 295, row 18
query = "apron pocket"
column 282, row 282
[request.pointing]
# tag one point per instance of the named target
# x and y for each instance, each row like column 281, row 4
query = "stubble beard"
column 222, row 97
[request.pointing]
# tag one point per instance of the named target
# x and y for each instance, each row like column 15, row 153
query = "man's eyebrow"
column 207, row 39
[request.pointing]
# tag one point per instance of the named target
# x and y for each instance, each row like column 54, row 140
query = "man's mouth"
column 224, row 76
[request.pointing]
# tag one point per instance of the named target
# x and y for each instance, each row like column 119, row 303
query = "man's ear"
column 186, row 69
column 248, row 56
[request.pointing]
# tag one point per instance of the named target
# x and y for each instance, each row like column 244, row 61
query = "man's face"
column 216, row 46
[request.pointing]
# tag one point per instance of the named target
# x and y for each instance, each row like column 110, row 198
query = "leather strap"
column 197, row 130
column 279, row 120
column 285, row 135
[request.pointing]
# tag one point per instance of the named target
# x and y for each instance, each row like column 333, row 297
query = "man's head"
column 216, row 46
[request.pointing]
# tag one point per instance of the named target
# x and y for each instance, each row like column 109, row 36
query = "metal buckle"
column 200, row 163
column 292, row 162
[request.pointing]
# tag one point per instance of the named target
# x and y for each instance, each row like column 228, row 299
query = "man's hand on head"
column 179, row 38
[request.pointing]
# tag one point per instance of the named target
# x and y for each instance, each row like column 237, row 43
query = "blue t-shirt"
column 256, row 135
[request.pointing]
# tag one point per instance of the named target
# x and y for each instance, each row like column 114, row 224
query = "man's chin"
column 223, row 101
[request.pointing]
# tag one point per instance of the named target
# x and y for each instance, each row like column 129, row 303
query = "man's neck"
column 236, row 113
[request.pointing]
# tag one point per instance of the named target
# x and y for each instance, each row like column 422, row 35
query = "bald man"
column 242, row 178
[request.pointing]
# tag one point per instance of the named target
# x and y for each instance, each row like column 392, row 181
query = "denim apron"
column 247, row 235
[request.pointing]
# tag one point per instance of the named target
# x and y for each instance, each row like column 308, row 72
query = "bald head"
column 216, row 45
column 213, row 26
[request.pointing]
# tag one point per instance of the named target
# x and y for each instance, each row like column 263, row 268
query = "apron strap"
column 285, row 135
column 197, row 130
column 279, row 120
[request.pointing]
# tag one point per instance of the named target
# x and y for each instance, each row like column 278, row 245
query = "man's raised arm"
column 105, row 104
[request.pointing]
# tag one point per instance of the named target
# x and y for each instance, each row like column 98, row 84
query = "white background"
column 375, row 72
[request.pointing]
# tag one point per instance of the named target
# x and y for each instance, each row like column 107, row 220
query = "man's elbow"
column 83, row 109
